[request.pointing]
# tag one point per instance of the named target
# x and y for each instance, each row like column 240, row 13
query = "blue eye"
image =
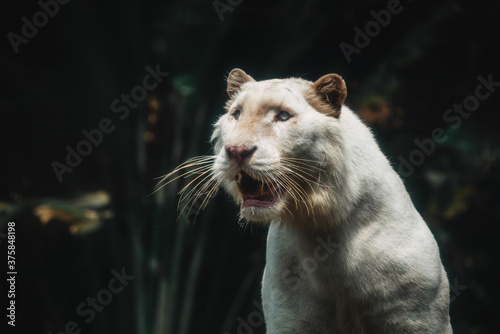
column 236, row 114
column 283, row 116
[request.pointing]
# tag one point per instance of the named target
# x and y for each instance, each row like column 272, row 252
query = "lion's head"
column 270, row 145
column 278, row 150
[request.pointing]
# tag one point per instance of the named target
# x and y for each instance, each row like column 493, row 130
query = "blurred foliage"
column 199, row 278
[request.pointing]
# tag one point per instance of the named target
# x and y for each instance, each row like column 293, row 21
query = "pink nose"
column 240, row 153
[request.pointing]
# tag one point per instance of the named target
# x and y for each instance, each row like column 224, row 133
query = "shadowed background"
column 203, row 276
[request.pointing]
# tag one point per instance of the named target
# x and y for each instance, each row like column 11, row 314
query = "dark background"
column 203, row 276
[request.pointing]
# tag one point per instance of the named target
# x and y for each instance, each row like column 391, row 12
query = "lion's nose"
column 240, row 153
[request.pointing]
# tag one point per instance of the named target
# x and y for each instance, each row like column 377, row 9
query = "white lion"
column 347, row 252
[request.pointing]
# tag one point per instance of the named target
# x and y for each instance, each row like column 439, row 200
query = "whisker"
column 300, row 159
column 271, row 184
column 297, row 170
column 208, row 189
column 212, row 192
column 209, row 171
column 297, row 188
column 195, row 187
column 203, row 182
column 197, row 161
column 304, row 194
column 189, row 173
column 194, row 197
column 304, row 162
column 282, row 183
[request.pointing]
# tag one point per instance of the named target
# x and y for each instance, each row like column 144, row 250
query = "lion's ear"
column 237, row 77
column 331, row 91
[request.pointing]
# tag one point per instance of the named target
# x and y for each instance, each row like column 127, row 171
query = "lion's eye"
column 236, row 114
column 283, row 116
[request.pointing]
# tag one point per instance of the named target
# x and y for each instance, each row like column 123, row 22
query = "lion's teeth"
column 238, row 178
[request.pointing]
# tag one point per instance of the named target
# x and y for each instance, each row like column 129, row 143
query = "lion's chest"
column 322, row 287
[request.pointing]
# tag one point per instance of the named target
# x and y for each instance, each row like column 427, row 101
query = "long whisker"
column 188, row 173
column 271, row 185
column 203, row 182
column 190, row 162
column 183, row 197
column 305, row 197
column 181, row 167
column 309, row 179
column 209, row 189
column 299, row 171
column 304, row 162
column 193, row 161
column 279, row 180
column 199, row 193
column 197, row 161
column 302, row 166
column 300, row 159
column 305, row 173
column 212, row 192
column 295, row 188
column 307, row 202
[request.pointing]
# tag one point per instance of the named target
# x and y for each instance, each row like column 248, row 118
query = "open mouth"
column 255, row 192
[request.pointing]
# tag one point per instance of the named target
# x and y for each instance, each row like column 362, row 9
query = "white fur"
column 382, row 272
